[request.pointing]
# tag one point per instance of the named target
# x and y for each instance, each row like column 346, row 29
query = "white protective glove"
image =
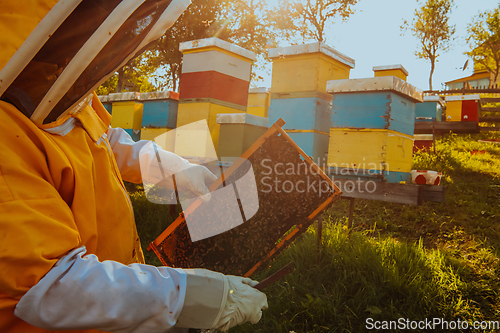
column 161, row 167
column 214, row 300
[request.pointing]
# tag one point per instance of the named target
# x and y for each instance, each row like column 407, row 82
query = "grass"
column 398, row 261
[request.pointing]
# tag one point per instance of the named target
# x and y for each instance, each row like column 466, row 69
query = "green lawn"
column 398, row 261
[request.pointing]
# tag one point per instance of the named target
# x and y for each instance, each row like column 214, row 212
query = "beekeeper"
column 70, row 257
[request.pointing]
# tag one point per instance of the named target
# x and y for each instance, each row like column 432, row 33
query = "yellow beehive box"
column 307, row 67
column 370, row 149
column 190, row 112
column 454, row 111
column 391, row 70
column 259, row 100
column 127, row 115
column 152, row 133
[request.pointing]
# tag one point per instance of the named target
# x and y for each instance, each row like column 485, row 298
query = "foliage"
column 430, row 26
column 132, row 77
column 484, row 40
column 310, row 17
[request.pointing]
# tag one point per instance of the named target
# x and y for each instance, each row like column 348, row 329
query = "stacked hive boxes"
column 215, row 79
column 127, row 113
column 462, row 108
column 159, row 113
column 372, row 130
column 258, row 101
column 298, row 93
column 430, row 110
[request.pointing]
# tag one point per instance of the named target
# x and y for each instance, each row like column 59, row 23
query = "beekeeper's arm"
column 80, row 292
column 131, row 155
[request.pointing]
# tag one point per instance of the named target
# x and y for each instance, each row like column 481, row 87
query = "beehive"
column 307, row 67
column 273, row 223
column 160, row 109
column 375, row 103
column 198, row 109
column 430, row 110
column 213, row 68
column 127, row 115
column 258, row 103
column 462, row 108
column 238, row 131
column 423, row 142
column 364, row 151
column 104, row 99
column 391, row 70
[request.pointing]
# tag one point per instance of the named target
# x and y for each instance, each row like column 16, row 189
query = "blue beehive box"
column 374, row 103
column 108, row 107
column 313, row 144
column 301, row 111
column 430, row 110
column 160, row 109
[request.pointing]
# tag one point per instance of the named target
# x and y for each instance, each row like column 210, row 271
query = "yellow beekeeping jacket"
column 57, row 193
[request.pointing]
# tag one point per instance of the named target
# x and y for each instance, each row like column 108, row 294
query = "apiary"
column 160, row 109
column 238, row 131
column 462, row 108
column 384, row 102
column 104, row 99
column 361, row 152
column 391, row 70
column 307, row 67
column 259, row 100
column 267, row 226
column 430, row 110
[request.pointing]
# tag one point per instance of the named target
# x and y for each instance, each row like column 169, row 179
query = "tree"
column 484, row 40
column 310, row 17
column 430, row 25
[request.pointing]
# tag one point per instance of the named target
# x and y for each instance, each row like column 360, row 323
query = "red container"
column 423, row 142
column 470, row 111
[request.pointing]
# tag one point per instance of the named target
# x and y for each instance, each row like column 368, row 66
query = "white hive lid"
column 318, row 47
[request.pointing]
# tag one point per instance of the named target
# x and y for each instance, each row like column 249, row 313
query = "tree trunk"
column 120, row 84
column 432, row 72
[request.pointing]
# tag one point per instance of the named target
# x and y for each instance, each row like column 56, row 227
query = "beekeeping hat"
column 55, row 53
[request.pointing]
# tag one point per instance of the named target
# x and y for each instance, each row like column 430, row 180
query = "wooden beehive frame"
column 294, row 233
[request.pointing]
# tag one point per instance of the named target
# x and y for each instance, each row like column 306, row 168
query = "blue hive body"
column 381, row 110
column 428, row 111
column 311, row 113
column 160, row 113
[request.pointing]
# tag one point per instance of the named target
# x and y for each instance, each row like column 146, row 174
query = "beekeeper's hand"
column 215, row 300
column 195, row 179
column 244, row 303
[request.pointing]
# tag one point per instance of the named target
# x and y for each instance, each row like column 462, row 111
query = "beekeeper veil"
column 73, row 48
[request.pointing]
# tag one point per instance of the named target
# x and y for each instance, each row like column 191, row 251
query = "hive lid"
column 390, row 67
column 103, row 98
column 242, row 118
column 382, row 83
column 463, row 98
column 258, row 90
column 159, row 95
column 219, row 43
column 311, row 48
column 126, row 96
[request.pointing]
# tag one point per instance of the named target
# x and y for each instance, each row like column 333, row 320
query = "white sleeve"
column 127, row 155
column 80, row 293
